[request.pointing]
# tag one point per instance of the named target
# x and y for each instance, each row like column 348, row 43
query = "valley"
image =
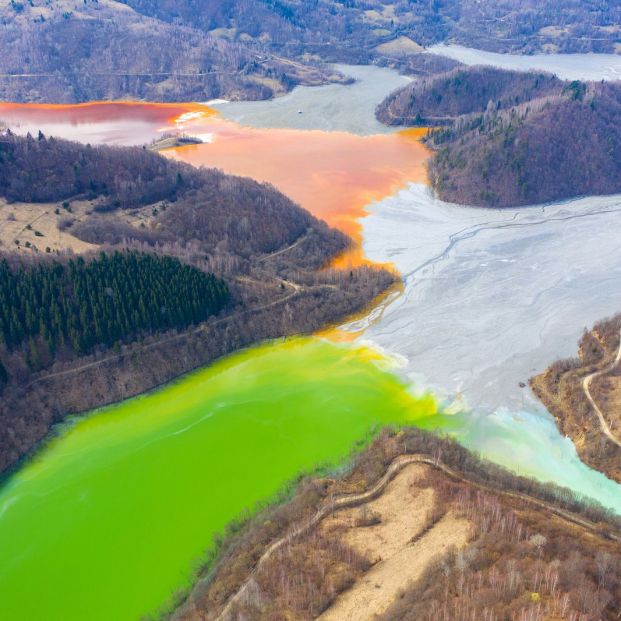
column 55, row 342
column 68, row 52
column 489, row 297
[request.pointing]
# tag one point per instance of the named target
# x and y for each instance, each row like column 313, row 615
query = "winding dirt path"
column 586, row 386
column 296, row 243
column 354, row 500
column 296, row 289
column 205, row 327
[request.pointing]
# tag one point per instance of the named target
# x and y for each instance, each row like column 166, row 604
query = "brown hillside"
column 584, row 395
column 418, row 529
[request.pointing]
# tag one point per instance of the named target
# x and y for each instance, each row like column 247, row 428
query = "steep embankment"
column 391, row 538
column 584, row 395
column 79, row 353
column 514, row 139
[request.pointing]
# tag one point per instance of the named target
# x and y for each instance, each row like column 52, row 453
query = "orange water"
column 334, row 175
column 98, row 112
column 122, row 123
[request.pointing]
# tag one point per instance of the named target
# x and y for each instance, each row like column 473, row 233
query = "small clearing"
column 403, row 46
column 37, row 226
column 403, row 543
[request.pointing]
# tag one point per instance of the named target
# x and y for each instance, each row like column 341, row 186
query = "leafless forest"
column 519, row 564
column 270, row 252
column 558, row 145
column 70, row 51
column 441, row 99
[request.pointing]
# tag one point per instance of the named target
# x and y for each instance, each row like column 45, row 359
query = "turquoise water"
column 529, row 444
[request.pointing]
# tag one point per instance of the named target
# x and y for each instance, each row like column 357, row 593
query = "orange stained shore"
column 334, row 175
column 120, row 122
column 99, row 112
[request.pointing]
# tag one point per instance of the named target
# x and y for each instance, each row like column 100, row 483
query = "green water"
column 112, row 516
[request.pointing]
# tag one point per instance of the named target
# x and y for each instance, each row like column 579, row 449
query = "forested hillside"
column 543, row 150
column 440, row 99
column 179, row 245
column 104, row 301
column 202, row 203
column 576, row 390
column 569, row 25
column 528, row 26
column 511, row 138
column 186, row 50
column 41, row 169
column 89, row 50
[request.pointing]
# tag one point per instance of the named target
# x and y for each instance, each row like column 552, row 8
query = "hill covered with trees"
column 509, row 138
column 440, row 99
column 104, row 301
column 544, row 150
column 67, row 52
column 186, row 50
column 229, row 208
column 508, row 25
column 578, row 391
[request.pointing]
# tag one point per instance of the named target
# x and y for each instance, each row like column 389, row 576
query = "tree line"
column 115, row 297
column 46, row 169
column 440, row 99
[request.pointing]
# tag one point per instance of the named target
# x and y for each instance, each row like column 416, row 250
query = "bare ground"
column 403, row 544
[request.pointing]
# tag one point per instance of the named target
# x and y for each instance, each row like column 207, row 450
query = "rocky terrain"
column 584, row 395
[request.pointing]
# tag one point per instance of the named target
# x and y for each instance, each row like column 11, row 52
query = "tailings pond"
column 113, row 515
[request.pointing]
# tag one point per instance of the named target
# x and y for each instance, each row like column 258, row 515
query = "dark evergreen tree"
column 4, row 375
column 112, row 298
